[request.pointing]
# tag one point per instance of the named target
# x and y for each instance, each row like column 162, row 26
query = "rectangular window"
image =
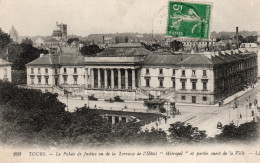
column 39, row 70
column 194, row 85
column 47, row 81
column 32, row 80
column 173, row 82
column 161, row 82
column 204, row 73
column 65, row 79
column 147, row 82
column 5, row 73
column 204, row 85
column 46, row 71
column 75, row 80
column 147, row 71
column 160, row 71
column 183, row 72
column 75, row 70
column 204, row 98
column 183, row 85
column 32, row 72
column 183, row 98
column 56, row 71
column 39, row 80
column 173, row 71
column 65, row 70
column 193, row 73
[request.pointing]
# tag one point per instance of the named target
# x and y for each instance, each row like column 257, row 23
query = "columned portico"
column 111, row 78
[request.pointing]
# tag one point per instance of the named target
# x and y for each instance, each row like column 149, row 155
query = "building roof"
column 58, row 59
column 125, row 49
column 196, row 59
column 127, row 45
column 164, row 60
column 50, row 40
column 4, row 63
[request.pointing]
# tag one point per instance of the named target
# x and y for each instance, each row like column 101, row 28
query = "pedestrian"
column 240, row 116
column 253, row 113
column 156, row 124
column 95, row 106
column 219, row 103
column 250, row 104
column 165, row 118
column 179, row 112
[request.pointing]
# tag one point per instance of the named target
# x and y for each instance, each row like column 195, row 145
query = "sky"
column 84, row 17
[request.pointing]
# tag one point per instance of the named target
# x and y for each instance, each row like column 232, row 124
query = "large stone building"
column 60, row 32
column 132, row 72
column 14, row 34
column 5, row 70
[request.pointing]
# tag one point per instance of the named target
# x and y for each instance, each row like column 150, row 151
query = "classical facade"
column 5, row 70
column 132, row 72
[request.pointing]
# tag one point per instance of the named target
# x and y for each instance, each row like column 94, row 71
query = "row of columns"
column 92, row 82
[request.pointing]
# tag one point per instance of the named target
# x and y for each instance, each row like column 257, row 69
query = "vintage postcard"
column 129, row 81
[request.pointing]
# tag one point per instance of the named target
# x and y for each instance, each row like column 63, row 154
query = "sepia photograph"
column 129, row 80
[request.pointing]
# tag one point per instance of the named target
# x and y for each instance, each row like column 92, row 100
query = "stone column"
column 133, row 78
column 99, row 78
column 92, row 77
column 126, row 78
column 105, row 78
column 119, row 78
column 86, row 78
column 113, row 119
column 112, row 79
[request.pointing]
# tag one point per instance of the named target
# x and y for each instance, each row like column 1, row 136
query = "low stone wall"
column 106, row 94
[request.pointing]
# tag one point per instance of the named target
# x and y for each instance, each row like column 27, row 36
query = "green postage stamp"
column 188, row 19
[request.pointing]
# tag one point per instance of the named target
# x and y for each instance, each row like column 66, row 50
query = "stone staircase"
column 141, row 94
column 170, row 94
column 58, row 90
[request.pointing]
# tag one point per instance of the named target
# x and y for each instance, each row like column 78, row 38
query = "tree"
column 181, row 133
column 90, row 50
column 71, row 40
column 245, row 132
column 152, row 137
column 21, row 54
column 4, row 39
column 27, row 41
column 176, row 45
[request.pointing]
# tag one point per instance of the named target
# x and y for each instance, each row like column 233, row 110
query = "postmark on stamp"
column 188, row 19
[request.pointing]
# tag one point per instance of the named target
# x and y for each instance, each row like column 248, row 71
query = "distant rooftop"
column 127, row 45
column 125, row 49
column 58, row 59
column 4, row 63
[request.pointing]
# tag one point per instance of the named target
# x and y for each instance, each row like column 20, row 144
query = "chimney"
column 237, row 37
column 103, row 39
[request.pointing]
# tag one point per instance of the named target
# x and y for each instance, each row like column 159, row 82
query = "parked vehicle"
column 219, row 125
column 92, row 98
column 118, row 99
column 110, row 100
